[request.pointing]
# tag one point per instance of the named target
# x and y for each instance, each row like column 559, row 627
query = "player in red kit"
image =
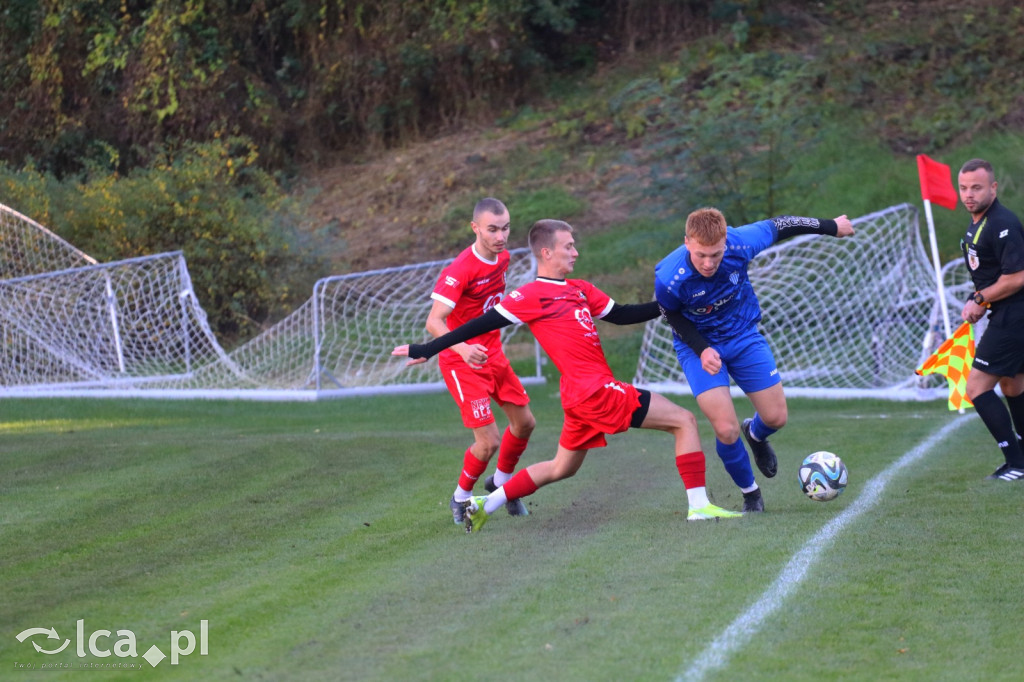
column 476, row 370
column 561, row 312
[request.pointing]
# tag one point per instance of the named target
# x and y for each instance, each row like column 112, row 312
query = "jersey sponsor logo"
column 615, row 387
column 1003, row 233
column 699, row 293
column 481, row 282
column 708, row 309
column 516, row 296
column 980, row 361
column 774, row 371
column 451, row 281
column 481, row 408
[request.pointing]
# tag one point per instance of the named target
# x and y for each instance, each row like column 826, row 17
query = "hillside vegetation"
column 805, row 107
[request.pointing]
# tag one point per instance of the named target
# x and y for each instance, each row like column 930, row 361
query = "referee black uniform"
column 994, row 246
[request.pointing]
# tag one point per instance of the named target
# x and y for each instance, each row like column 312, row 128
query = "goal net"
column 844, row 317
column 28, row 248
column 71, row 326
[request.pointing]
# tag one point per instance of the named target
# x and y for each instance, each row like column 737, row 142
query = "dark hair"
column 489, row 205
column 542, row 234
column 978, row 164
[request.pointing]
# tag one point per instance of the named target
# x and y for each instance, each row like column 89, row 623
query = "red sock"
column 511, row 450
column 471, row 470
column 691, row 469
column 520, row 485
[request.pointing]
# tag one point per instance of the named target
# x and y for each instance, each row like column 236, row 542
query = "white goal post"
column 134, row 328
column 845, row 318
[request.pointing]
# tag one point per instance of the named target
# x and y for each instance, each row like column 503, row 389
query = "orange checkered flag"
column 953, row 360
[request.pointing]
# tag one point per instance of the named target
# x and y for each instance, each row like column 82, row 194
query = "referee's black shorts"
column 1000, row 351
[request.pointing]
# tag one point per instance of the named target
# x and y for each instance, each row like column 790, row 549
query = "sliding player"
column 705, row 282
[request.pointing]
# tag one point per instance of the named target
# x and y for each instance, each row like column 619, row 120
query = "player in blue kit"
column 705, row 282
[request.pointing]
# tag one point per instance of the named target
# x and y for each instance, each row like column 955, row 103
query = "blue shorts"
column 747, row 359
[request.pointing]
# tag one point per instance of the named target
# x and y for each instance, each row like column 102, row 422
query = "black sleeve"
column 632, row 313
column 685, row 330
column 788, row 226
column 487, row 322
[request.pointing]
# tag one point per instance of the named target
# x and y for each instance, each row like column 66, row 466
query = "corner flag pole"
column 936, row 186
column 940, row 289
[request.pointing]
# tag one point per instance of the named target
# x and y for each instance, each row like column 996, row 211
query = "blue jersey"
column 724, row 305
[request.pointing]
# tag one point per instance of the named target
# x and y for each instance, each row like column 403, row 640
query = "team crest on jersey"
column 585, row 320
column 972, row 258
column 734, row 277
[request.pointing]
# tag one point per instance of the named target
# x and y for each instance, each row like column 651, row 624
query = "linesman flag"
column 936, row 185
column 953, row 360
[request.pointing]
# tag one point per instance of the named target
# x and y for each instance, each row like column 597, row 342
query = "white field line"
column 716, row 654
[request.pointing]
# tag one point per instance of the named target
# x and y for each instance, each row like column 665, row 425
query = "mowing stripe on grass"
column 739, row 632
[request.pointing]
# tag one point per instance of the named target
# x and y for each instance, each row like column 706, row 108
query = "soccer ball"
column 822, row 476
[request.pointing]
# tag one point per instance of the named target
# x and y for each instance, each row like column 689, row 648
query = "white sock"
column 697, row 497
column 495, row 500
column 750, row 489
column 461, row 495
column 501, row 478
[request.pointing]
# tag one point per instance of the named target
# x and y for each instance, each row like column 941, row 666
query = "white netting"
column 28, row 248
column 845, row 317
column 134, row 327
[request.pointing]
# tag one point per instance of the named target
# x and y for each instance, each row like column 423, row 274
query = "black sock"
column 997, row 419
column 1016, row 405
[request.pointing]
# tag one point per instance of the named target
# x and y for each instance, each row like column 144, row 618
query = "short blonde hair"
column 706, row 226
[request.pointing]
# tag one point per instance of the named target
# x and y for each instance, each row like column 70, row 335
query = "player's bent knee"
column 727, row 432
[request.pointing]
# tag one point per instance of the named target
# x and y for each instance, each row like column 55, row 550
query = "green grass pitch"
column 313, row 542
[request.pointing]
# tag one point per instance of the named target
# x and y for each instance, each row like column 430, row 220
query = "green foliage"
column 212, row 201
column 299, row 78
column 932, row 73
column 724, row 132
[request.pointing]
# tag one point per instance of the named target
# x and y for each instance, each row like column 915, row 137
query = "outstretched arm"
column 632, row 313
column 421, row 352
column 437, row 324
column 788, row 226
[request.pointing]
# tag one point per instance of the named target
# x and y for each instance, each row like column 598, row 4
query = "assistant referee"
column 993, row 249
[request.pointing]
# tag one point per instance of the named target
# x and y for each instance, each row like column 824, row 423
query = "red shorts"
column 473, row 389
column 609, row 410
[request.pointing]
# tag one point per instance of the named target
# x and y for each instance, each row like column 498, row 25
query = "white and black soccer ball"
column 822, row 476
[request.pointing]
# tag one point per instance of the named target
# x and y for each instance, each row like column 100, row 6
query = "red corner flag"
column 935, row 183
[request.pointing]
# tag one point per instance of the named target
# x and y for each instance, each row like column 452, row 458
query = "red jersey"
column 471, row 285
column 561, row 314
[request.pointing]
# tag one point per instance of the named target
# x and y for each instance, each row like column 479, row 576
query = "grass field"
column 314, row 540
